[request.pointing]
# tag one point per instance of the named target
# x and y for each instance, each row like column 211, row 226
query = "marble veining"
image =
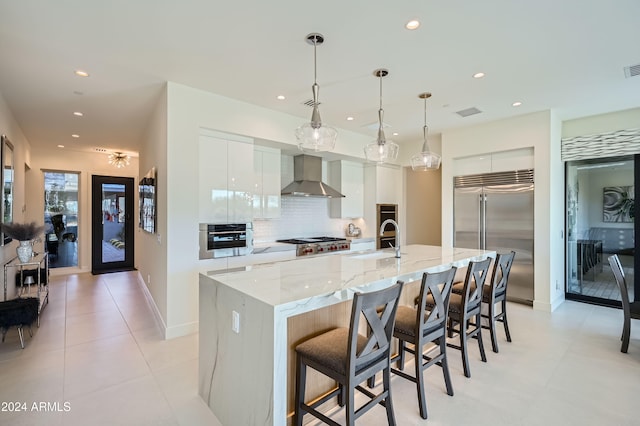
column 243, row 376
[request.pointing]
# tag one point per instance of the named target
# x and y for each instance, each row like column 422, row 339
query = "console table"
column 41, row 262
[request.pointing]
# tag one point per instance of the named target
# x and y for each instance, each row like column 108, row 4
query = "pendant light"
column 314, row 136
column 381, row 150
column 426, row 160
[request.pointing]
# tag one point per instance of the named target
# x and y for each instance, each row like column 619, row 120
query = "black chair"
column 497, row 293
column 631, row 309
column 350, row 358
column 466, row 306
column 422, row 326
column 18, row 312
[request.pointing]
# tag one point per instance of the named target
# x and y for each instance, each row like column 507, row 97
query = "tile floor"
column 98, row 355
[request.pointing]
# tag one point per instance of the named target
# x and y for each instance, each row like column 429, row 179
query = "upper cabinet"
column 225, row 189
column 348, row 178
column 502, row 161
column 266, row 183
column 384, row 183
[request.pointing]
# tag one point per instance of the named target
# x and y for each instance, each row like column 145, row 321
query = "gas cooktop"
column 318, row 245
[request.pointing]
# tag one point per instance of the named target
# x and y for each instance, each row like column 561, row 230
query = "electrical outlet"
column 235, row 322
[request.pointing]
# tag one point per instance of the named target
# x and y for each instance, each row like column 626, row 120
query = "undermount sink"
column 373, row 255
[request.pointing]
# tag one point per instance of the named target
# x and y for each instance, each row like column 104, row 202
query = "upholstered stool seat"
column 18, row 313
column 330, row 349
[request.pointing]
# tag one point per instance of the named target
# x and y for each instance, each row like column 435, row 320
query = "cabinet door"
column 352, row 188
column 257, row 184
column 212, row 180
column 348, row 178
column 271, row 185
column 240, row 181
column 389, row 185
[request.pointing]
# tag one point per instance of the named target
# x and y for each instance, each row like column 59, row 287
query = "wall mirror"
column 6, row 153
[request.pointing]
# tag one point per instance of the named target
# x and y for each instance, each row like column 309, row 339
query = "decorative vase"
column 24, row 251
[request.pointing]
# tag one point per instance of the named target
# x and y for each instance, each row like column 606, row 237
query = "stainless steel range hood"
column 307, row 179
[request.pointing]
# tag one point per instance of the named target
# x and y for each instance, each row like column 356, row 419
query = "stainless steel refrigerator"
column 494, row 211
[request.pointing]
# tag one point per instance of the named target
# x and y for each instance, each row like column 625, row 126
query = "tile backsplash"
column 302, row 217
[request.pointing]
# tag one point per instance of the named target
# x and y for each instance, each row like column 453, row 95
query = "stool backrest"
column 437, row 285
column 378, row 309
column 501, row 270
column 477, row 274
column 618, row 272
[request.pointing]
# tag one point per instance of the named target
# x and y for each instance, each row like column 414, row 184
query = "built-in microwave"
column 225, row 240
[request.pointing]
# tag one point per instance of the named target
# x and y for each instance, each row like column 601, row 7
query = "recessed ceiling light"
column 516, row 104
column 349, row 118
column 78, row 114
column 478, row 75
column 75, row 136
column 395, row 133
column 281, row 97
column 412, row 25
column 82, row 73
column 60, row 146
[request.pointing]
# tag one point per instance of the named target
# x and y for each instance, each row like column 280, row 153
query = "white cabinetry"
column 502, row 161
column 224, row 186
column 266, row 184
column 384, row 184
column 348, row 178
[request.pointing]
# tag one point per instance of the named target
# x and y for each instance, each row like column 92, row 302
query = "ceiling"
column 547, row 54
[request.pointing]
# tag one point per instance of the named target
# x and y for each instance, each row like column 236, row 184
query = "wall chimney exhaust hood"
column 307, row 179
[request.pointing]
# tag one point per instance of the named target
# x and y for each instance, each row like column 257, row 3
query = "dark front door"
column 112, row 216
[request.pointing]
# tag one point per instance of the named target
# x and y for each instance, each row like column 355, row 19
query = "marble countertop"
column 305, row 283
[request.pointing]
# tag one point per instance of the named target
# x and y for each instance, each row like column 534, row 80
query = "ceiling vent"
column 309, row 103
column 632, row 70
column 469, row 111
column 375, row 126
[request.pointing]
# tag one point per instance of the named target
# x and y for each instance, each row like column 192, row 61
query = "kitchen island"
column 251, row 318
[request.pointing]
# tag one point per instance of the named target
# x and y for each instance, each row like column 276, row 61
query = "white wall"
column 603, row 123
column 21, row 148
column 540, row 131
column 152, row 250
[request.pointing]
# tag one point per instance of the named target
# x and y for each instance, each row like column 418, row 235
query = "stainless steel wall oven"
column 384, row 212
column 225, row 240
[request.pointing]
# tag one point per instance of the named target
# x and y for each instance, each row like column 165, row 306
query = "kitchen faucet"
column 394, row 223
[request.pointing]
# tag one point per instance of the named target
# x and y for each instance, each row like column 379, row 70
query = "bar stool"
column 497, row 293
column 422, row 326
column 465, row 306
column 350, row 358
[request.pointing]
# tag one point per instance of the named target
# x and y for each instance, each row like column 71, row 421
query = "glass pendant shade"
column 314, row 136
column 381, row 150
column 425, row 160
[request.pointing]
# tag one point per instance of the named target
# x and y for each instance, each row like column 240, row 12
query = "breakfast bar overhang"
column 244, row 320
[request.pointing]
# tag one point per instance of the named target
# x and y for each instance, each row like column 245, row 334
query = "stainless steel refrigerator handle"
column 480, row 211
column 483, row 215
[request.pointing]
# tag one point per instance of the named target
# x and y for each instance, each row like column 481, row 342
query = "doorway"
column 61, row 218
column 111, row 224
column 600, row 221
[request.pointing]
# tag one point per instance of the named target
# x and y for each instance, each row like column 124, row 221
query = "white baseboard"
column 152, row 303
column 168, row 332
